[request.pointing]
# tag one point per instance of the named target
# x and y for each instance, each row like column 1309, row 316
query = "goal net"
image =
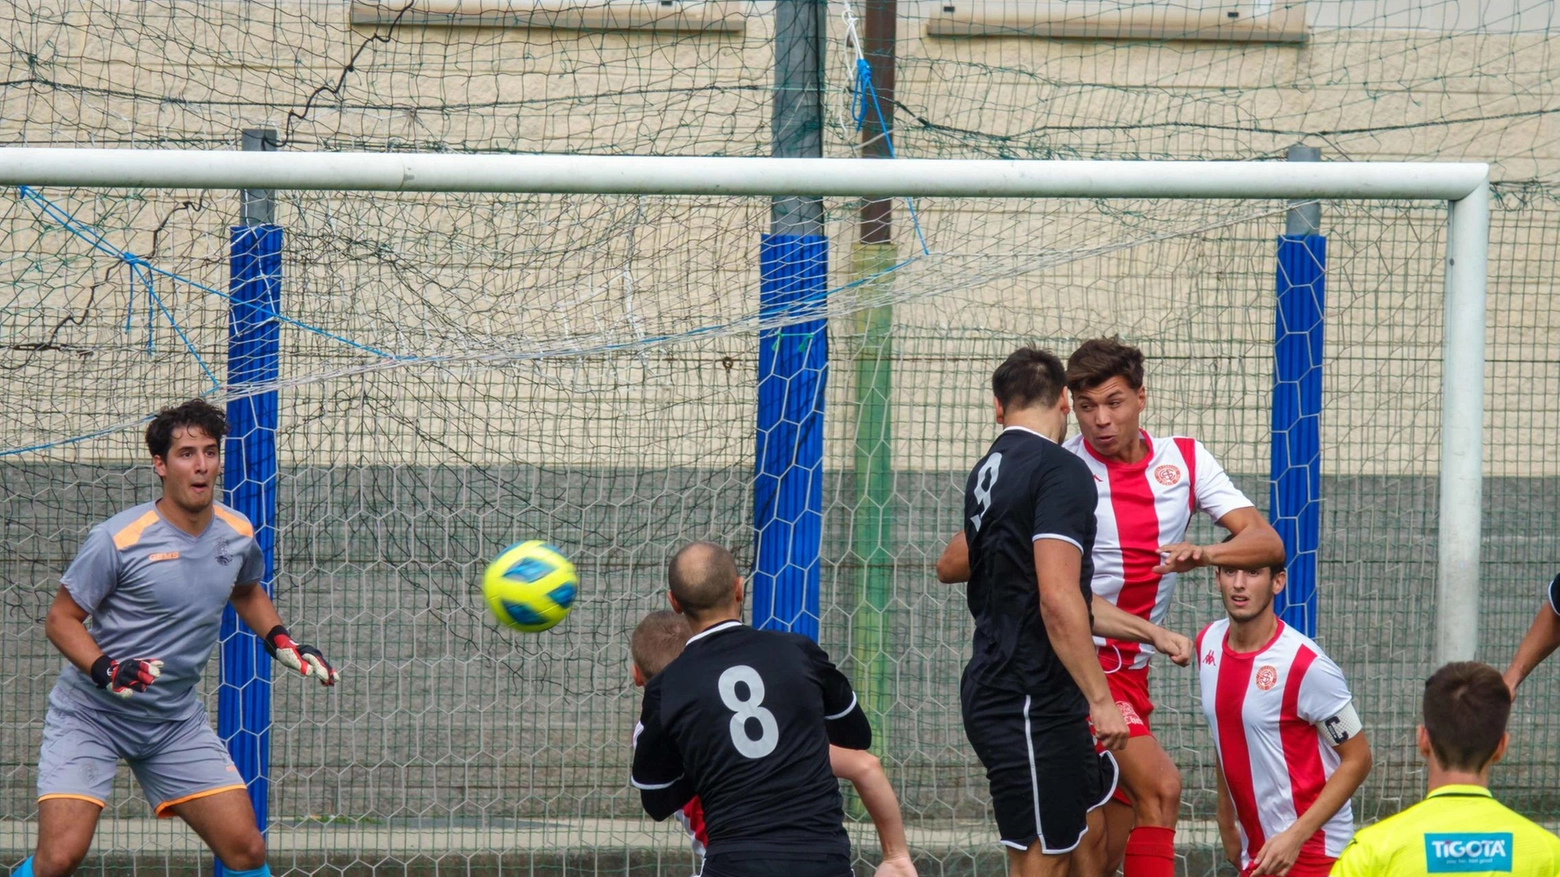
column 460, row 371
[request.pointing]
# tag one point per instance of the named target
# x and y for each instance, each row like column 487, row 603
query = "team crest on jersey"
column 224, row 556
column 1168, row 474
column 1267, row 677
column 1129, row 714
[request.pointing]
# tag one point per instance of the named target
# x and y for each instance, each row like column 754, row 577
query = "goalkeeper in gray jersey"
column 153, row 580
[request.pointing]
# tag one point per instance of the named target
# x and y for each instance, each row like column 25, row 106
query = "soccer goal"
column 426, row 357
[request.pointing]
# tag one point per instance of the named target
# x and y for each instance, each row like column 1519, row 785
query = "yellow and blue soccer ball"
column 530, row 586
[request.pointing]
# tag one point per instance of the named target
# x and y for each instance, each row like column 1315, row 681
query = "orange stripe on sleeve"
column 235, row 520
column 132, row 534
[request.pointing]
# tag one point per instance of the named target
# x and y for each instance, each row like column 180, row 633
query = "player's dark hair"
column 1465, row 711
column 703, row 577
column 1029, row 376
column 1100, row 359
column 1273, row 568
column 657, row 640
column 198, row 413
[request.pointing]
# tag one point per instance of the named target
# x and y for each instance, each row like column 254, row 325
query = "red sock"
column 1150, row 852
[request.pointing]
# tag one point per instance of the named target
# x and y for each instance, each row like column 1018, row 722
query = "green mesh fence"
column 582, row 368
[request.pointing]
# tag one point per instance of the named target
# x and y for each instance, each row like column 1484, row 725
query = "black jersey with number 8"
column 743, row 718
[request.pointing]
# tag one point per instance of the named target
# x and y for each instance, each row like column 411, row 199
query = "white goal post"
column 1464, row 186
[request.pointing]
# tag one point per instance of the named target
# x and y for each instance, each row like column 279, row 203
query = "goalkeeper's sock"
column 24, row 869
column 262, row 871
column 1150, row 852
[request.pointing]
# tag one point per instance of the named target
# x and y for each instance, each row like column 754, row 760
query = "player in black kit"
column 743, row 718
column 1033, row 685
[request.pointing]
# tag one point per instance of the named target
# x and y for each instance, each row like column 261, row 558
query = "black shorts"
column 1044, row 771
column 776, row 865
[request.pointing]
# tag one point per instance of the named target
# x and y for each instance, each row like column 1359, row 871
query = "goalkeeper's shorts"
column 174, row 761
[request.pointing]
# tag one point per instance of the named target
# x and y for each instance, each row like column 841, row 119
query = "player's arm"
column 1323, row 701
column 91, row 577
column 953, row 566
column 1542, row 638
column 1255, row 544
column 843, row 717
column 1224, row 814
column 66, row 628
column 1115, row 623
column 1058, row 565
column 1063, row 514
column 865, row 772
column 1280, row 852
column 253, row 605
column 658, row 769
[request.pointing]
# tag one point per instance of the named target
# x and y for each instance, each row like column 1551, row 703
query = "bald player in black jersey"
column 743, row 718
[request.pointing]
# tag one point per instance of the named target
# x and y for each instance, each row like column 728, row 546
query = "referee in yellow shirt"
column 1459, row 828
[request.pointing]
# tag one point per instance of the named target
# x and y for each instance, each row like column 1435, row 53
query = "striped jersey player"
column 1290, row 744
column 1149, row 487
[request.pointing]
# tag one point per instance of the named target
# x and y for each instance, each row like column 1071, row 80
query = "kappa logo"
column 1208, row 658
column 1463, row 852
column 1267, row 677
column 1167, row 474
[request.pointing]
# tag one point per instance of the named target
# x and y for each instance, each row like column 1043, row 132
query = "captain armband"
column 1341, row 727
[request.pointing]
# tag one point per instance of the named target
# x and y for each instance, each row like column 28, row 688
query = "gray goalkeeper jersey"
column 153, row 591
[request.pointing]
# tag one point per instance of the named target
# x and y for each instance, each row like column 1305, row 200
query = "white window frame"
column 659, row 16
column 1233, row 21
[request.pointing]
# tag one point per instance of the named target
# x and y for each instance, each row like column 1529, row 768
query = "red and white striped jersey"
column 1142, row 506
column 1264, row 708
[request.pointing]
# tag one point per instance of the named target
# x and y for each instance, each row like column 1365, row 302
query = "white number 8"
column 748, row 709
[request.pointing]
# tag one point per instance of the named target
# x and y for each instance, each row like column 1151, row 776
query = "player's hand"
column 307, row 660
column 896, row 866
column 1110, row 729
column 1278, row 855
column 1180, row 557
column 124, row 678
column 1174, row 646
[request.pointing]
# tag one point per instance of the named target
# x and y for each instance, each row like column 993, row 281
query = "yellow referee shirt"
column 1454, row 830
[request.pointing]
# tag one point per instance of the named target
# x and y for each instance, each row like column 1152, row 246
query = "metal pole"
column 244, row 698
column 1296, row 471
column 792, row 361
column 797, row 118
column 1462, row 428
column 872, row 525
column 687, row 175
column 1303, row 217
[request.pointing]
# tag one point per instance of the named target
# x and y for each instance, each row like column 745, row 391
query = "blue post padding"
column 24, row 869
column 1295, row 500
column 244, row 698
column 793, row 362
